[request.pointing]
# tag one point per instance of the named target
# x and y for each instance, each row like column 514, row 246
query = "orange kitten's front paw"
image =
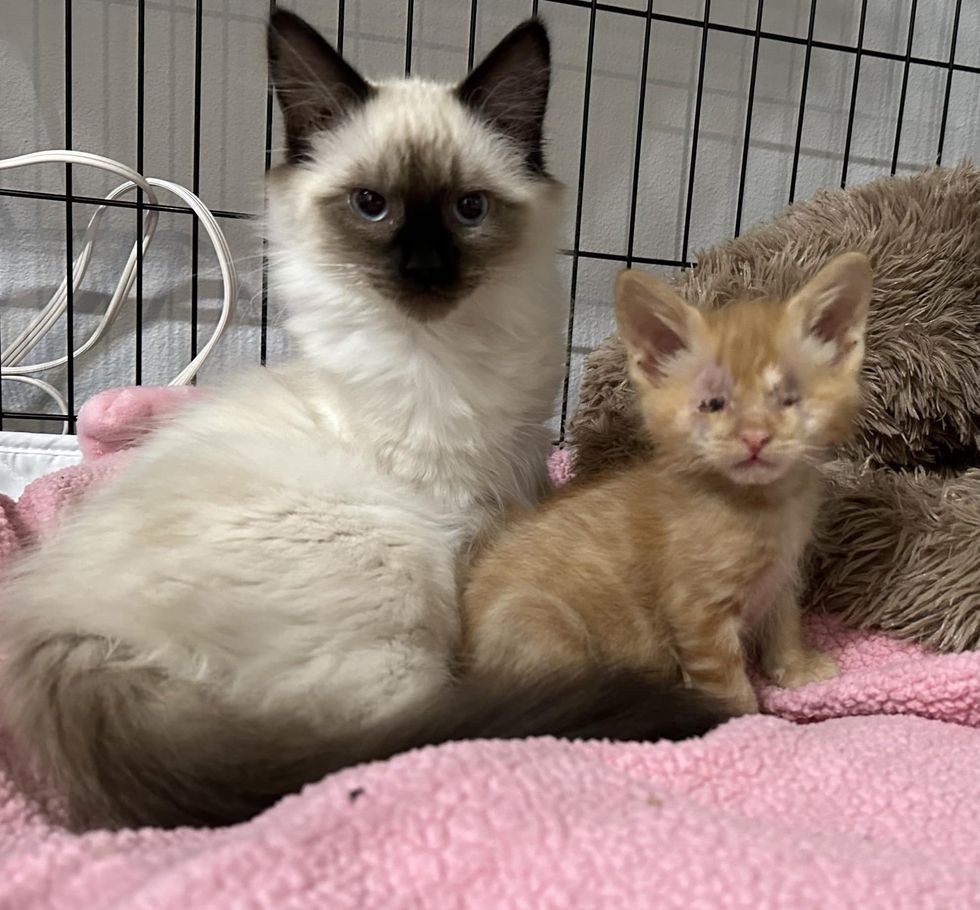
column 811, row 667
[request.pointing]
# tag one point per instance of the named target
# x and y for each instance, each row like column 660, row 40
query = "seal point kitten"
column 672, row 567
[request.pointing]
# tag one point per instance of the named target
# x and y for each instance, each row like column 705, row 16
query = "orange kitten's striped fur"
column 674, row 565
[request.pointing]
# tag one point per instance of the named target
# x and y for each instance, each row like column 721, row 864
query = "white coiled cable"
column 12, row 367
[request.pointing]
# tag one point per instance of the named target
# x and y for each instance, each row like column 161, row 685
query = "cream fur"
column 293, row 542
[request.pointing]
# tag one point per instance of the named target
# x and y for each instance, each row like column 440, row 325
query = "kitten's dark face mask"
column 419, row 225
column 424, row 243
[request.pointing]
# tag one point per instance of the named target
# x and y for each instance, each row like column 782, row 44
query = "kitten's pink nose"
column 756, row 440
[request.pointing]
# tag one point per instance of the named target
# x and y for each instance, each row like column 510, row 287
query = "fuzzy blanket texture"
column 871, row 803
column 899, row 544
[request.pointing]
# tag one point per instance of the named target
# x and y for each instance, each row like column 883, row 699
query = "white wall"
column 104, row 84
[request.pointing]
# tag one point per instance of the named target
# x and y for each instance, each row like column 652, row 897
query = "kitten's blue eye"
column 712, row 405
column 370, row 205
column 471, row 209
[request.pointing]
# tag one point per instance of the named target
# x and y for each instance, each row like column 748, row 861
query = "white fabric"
column 26, row 456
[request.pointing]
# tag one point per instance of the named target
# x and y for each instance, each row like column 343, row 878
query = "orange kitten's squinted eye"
column 671, row 566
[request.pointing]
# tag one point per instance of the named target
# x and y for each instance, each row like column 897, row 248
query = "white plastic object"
column 12, row 367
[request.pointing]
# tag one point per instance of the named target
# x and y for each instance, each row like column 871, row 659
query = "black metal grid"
column 69, row 227
column 650, row 19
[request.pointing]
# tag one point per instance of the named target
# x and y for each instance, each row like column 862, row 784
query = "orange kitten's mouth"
column 755, row 461
column 756, row 470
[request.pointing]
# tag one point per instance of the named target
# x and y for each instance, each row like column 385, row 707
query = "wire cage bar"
column 645, row 15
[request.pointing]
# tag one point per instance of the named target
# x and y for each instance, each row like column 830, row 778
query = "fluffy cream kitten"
column 276, row 571
column 672, row 567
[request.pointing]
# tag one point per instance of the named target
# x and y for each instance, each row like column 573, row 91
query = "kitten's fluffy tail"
column 131, row 747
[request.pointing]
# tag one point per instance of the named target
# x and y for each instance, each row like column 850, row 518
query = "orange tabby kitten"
column 675, row 564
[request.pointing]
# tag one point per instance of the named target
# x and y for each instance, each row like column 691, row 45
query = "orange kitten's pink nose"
column 756, row 440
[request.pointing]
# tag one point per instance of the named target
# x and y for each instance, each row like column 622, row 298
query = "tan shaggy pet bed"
column 899, row 542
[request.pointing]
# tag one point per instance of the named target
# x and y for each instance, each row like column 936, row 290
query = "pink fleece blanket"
column 875, row 806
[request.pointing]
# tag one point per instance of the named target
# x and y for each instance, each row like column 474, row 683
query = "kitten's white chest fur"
column 482, row 383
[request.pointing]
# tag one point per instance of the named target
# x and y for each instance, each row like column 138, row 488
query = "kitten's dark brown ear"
column 831, row 310
column 655, row 323
column 314, row 84
column 509, row 89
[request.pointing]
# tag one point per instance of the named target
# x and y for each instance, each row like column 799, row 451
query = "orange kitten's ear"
column 832, row 310
column 654, row 321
